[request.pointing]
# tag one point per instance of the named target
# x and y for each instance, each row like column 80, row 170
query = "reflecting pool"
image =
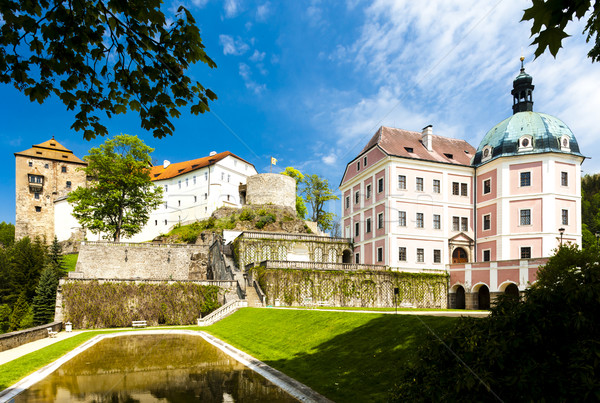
column 154, row 368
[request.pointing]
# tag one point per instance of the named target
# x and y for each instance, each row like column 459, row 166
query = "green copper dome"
column 526, row 133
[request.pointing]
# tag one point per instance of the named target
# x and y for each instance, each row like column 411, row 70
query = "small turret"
column 522, row 91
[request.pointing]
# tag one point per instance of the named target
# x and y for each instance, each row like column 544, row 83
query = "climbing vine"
column 103, row 305
column 351, row 288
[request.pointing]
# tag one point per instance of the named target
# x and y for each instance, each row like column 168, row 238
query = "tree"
column 44, row 301
column 121, row 196
column 551, row 17
column 26, row 260
column 524, row 349
column 4, row 318
column 20, row 311
column 590, row 209
column 297, row 175
column 104, row 56
column 7, row 234
column 55, row 258
column 316, row 192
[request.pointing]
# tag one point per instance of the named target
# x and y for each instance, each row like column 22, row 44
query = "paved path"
column 452, row 314
column 13, row 353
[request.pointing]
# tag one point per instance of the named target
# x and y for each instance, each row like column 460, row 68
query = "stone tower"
column 44, row 173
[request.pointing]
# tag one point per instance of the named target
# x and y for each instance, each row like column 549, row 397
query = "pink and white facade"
column 415, row 201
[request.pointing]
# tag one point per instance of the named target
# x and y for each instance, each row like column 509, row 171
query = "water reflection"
column 153, row 368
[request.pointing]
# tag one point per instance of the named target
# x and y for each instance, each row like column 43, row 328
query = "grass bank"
column 347, row 357
column 70, row 261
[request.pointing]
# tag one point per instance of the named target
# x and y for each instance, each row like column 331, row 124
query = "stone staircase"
column 222, row 312
column 252, row 298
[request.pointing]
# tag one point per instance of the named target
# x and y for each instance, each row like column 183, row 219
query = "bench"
column 139, row 323
column 51, row 333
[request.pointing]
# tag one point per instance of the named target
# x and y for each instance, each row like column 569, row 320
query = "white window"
column 420, row 223
column 356, row 197
column 487, row 255
column 228, row 178
column 464, row 224
column 166, row 188
column 436, row 186
column 205, row 176
column 455, row 223
column 222, row 176
column 463, row 189
column 179, row 183
column 419, row 184
column 194, row 179
column 401, row 182
column 420, row 255
column 368, row 225
column 526, row 252
column 437, row 221
column 455, row 188
column 380, row 185
column 356, row 228
column 487, row 222
column 525, row 217
column 380, row 254
column 525, row 179
column 380, row 220
column 187, row 182
column 368, row 195
column 347, row 201
column 565, row 217
column 564, row 179
column 402, row 254
column 487, row 186
column 402, row 218
column 437, row 256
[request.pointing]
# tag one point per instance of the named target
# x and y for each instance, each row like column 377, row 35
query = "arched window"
column 318, row 255
column 332, row 255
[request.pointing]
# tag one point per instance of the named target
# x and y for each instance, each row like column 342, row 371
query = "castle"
column 414, row 200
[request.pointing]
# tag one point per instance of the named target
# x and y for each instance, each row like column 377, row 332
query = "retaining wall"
column 20, row 337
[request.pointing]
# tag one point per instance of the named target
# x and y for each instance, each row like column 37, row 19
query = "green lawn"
column 347, row 357
column 70, row 261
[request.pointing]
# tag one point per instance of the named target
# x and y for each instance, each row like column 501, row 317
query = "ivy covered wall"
column 351, row 288
column 94, row 304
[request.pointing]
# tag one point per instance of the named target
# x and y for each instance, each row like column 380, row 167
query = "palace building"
column 417, row 201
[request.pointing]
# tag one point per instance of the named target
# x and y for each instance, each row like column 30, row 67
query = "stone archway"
column 483, row 297
column 512, row 290
column 459, row 298
column 459, row 255
column 347, row 256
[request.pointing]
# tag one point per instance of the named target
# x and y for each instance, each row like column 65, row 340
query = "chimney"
column 212, row 153
column 166, row 163
column 427, row 137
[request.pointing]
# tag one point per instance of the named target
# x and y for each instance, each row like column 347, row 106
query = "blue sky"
column 309, row 83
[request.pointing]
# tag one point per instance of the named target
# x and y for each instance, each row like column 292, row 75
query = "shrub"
column 264, row 220
column 246, row 215
column 543, row 347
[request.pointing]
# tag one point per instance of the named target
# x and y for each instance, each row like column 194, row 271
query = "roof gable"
column 51, row 150
column 159, row 172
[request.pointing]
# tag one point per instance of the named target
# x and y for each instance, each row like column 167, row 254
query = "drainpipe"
column 475, row 216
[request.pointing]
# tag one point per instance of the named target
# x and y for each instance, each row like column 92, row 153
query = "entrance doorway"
column 512, row 290
column 483, row 297
column 459, row 256
column 459, row 298
column 347, row 256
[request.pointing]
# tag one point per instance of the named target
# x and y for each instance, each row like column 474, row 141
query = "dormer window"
column 526, row 143
column 564, row 143
column 487, row 153
column 409, row 149
column 449, row 156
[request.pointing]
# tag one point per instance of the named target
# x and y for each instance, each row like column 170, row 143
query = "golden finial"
column 522, row 58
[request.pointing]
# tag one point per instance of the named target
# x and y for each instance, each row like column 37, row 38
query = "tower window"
column 486, row 255
column 525, row 179
column 402, row 218
column 525, row 217
column 36, row 196
column 63, row 169
column 565, row 217
column 526, row 252
column 38, row 209
column 68, row 184
column 487, row 186
column 155, row 222
column 30, row 163
column 564, row 179
column 46, row 166
column 165, row 222
column 487, row 222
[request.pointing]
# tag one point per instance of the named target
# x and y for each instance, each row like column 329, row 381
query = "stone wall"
column 350, row 288
column 108, row 260
column 276, row 189
column 20, row 337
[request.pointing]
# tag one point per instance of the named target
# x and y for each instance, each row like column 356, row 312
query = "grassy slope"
column 344, row 356
column 70, row 261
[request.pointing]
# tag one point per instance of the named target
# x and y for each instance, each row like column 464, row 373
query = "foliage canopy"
column 121, row 196
column 104, row 56
column 551, row 17
column 524, row 350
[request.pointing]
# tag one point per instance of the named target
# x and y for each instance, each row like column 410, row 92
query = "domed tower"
column 528, row 183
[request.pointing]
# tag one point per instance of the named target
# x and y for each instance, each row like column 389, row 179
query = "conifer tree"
column 20, row 310
column 45, row 297
column 4, row 318
column 56, row 258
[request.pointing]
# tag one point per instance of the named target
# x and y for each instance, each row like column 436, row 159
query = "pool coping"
column 296, row 389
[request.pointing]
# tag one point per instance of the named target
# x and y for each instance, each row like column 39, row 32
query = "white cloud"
column 199, row 3
column 257, row 56
column 330, row 159
column 263, row 11
column 232, row 8
column 246, row 75
column 232, row 46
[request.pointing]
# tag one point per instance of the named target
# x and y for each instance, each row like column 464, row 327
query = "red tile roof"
column 159, row 172
column 51, row 150
column 404, row 143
